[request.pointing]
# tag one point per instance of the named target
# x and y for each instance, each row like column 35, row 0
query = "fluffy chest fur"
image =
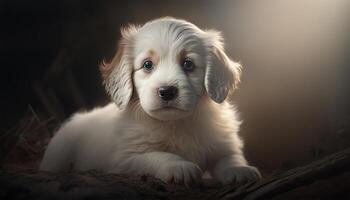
column 202, row 140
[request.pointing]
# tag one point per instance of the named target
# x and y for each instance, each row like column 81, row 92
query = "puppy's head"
column 168, row 65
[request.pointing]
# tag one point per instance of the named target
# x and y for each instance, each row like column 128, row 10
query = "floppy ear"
column 222, row 74
column 117, row 75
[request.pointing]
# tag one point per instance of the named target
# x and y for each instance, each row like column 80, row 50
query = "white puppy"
column 169, row 81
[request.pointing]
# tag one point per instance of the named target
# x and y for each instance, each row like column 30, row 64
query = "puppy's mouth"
column 169, row 108
column 169, row 112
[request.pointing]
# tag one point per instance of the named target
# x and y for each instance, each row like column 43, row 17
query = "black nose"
column 167, row 93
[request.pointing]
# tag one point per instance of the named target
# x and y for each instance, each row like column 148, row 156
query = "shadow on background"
column 294, row 98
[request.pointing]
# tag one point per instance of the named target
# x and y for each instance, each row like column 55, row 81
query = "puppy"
column 169, row 118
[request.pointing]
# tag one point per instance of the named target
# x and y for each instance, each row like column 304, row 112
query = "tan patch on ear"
column 107, row 68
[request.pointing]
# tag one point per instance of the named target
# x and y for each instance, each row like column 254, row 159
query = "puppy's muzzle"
column 167, row 93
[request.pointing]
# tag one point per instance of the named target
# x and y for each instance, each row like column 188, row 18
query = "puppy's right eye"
column 148, row 66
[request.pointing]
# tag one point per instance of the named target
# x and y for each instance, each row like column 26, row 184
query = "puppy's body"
column 174, row 140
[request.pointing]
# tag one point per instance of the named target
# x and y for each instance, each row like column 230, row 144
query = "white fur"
column 138, row 133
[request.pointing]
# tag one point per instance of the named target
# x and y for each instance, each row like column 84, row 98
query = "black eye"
column 188, row 65
column 148, row 65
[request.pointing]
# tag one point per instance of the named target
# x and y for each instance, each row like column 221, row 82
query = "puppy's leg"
column 234, row 169
column 58, row 154
column 166, row 166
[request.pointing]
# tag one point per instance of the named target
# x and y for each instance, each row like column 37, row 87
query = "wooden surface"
column 328, row 178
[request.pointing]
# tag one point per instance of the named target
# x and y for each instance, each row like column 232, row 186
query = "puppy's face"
column 168, row 65
column 169, row 69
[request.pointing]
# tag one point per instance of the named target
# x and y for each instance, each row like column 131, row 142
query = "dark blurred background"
column 294, row 98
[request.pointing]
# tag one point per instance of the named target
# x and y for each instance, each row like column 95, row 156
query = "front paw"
column 239, row 174
column 180, row 172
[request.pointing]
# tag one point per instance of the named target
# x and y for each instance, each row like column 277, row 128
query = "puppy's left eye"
column 148, row 66
column 188, row 65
